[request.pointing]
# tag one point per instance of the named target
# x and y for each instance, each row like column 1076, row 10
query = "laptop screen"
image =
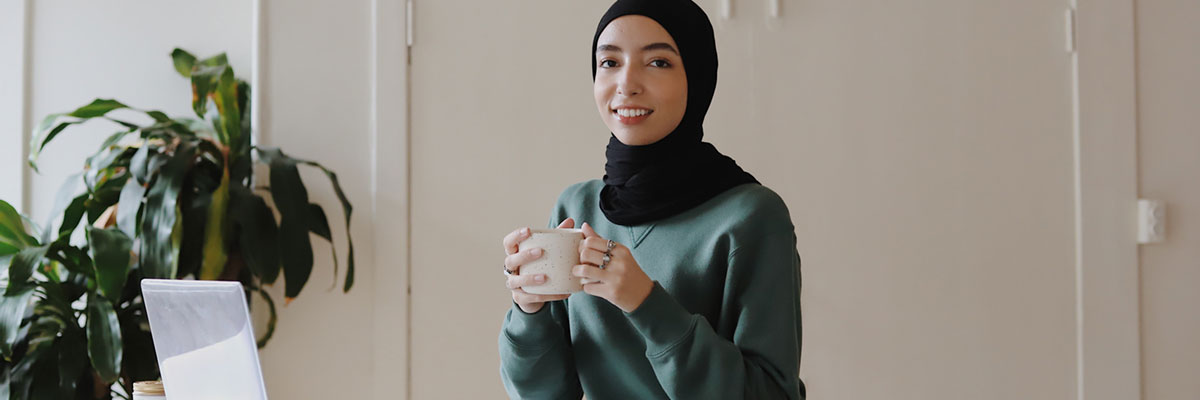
column 203, row 339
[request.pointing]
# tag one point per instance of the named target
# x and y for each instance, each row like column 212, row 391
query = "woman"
column 699, row 295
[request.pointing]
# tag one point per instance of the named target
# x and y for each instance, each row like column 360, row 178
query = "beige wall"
column 317, row 97
column 12, row 101
column 1168, row 63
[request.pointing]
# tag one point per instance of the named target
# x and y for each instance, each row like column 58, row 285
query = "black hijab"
column 665, row 178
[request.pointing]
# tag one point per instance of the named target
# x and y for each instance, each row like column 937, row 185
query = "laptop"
column 203, row 339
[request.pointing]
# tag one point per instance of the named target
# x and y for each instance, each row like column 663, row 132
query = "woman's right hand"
column 529, row 303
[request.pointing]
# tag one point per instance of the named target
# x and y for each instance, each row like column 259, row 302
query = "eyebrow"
column 649, row 47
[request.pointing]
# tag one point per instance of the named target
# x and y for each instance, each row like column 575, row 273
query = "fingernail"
column 525, row 231
column 539, row 278
column 536, row 252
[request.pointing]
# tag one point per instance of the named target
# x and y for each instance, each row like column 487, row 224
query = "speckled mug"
column 560, row 254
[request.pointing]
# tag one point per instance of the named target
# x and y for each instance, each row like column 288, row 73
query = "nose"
column 629, row 82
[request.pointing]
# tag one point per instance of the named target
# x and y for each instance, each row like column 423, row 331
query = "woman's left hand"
column 622, row 281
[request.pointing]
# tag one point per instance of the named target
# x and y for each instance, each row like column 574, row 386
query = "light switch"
column 1152, row 219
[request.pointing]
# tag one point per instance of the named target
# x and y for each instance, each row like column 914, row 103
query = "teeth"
column 627, row 113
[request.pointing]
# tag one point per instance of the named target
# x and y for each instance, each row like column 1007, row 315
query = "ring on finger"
column 611, row 244
column 607, row 258
column 507, row 271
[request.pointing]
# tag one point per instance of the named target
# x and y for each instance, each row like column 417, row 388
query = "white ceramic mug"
column 560, row 253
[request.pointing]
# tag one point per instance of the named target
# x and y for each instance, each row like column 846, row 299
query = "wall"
column 1168, row 97
column 12, row 101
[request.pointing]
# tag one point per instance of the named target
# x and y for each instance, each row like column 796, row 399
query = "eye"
column 660, row 63
column 607, row 63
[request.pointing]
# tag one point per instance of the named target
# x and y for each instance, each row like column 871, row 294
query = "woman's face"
column 641, row 87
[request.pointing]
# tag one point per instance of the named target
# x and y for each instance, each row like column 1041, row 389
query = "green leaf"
column 145, row 162
column 243, row 104
column 96, row 169
column 12, row 311
column 20, row 271
column 105, row 196
column 7, row 379
column 128, row 207
column 271, row 321
column 194, row 216
column 158, row 116
column 212, row 157
column 295, row 250
column 319, row 225
column 104, row 338
column 112, row 140
column 71, row 346
column 226, row 100
column 183, row 62
column 168, row 130
column 268, row 155
column 159, row 215
column 7, row 250
column 74, row 259
column 317, row 221
column 109, row 249
column 218, row 60
column 97, row 108
column 203, row 82
column 12, row 228
column 291, row 198
column 67, row 194
column 56, row 302
column 140, row 363
column 346, row 211
column 128, row 125
column 215, row 231
column 45, row 375
column 177, row 240
column 71, row 217
column 205, row 78
column 40, row 137
column 199, row 127
column 21, row 376
column 259, row 235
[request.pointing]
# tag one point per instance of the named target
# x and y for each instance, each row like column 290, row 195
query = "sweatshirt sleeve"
column 762, row 359
column 536, row 360
column 535, row 356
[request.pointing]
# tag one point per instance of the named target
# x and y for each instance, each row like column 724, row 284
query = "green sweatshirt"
column 722, row 322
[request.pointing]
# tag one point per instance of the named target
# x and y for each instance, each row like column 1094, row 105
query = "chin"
column 629, row 139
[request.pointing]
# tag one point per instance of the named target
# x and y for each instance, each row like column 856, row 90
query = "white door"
column 924, row 149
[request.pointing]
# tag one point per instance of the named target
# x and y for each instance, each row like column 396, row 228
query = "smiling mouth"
column 630, row 116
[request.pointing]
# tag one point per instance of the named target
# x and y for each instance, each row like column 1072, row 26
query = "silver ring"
column 506, row 270
column 611, row 244
column 607, row 258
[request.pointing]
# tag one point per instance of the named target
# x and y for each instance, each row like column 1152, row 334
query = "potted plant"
column 170, row 198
